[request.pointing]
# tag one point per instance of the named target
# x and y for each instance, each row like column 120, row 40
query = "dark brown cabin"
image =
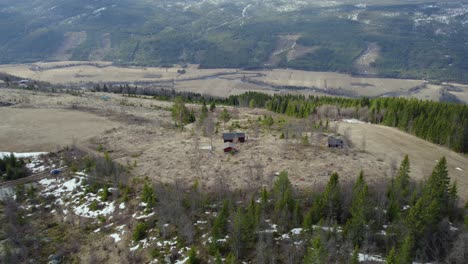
column 230, row 147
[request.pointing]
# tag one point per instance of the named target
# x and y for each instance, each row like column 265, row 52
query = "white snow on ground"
column 122, row 206
column 84, row 210
column 354, row 121
column 296, row 231
column 326, row 228
column 71, row 191
column 458, row 168
column 365, row 257
column 144, row 216
column 116, row 237
column 35, row 165
column 182, row 261
column 22, row 155
column 134, row 248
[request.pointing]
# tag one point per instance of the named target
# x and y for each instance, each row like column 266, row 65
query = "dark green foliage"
column 192, row 257
column 213, row 35
column 434, row 203
column 355, row 228
column 231, row 259
column 398, row 192
column 203, row 112
column 285, row 205
column 392, row 257
column 331, row 199
column 94, row 205
column 355, row 256
column 317, row 253
column 148, row 196
column 268, row 121
column 220, row 224
column 328, row 205
column 140, row 231
column 181, row 114
column 441, row 123
column 212, row 106
column 12, row 168
column 225, row 116
column 405, row 251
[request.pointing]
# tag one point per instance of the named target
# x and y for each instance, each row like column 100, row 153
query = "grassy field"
column 224, row 82
column 140, row 132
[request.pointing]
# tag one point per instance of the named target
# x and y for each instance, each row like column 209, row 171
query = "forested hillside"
column 418, row 40
column 398, row 221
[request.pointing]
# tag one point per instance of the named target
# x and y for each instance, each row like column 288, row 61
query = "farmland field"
column 224, row 82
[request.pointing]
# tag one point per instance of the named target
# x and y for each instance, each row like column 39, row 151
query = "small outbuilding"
column 230, row 147
column 231, row 137
column 334, row 142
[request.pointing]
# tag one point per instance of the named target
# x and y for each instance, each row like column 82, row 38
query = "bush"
column 94, row 205
column 140, row 232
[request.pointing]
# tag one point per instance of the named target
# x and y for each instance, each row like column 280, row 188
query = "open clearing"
column 25, row 129
column 224, row 82
column 140, row 132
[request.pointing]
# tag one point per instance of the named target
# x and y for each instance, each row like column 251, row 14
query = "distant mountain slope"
column 408, row 39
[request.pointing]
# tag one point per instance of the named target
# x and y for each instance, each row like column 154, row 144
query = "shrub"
column 94, row 205
column 140, row 231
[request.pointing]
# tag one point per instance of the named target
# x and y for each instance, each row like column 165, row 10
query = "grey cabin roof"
column 333, row 140
column 232, row 136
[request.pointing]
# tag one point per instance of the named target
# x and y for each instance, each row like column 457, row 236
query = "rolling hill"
column 399, row 39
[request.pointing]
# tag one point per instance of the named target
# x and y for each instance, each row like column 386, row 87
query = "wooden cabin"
column 230, row 147
column 334, row 142
column 231, row 137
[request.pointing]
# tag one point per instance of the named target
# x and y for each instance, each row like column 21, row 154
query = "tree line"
column 441, row 123
column 12, row 168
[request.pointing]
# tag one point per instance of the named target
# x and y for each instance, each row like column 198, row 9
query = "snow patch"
column 23, row 154
column 296, row 231
column 354, row 121
column 116, row 237
column 365, row 258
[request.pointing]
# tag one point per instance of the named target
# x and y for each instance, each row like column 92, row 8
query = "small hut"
column 334, row 142
column 230, row 137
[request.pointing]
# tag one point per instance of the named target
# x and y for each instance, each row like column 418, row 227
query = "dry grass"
column 166, row 154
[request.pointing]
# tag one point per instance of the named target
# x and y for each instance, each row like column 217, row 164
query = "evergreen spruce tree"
column 355, row 228
column 219, row 229
column 231, row 259
column 355, row 256
column 392, row 257
column 225, row 116
column 331, row 199
column 317, row 254
column 212, row 106
column 398, row 193
column 192, row 257
column 406, row 250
